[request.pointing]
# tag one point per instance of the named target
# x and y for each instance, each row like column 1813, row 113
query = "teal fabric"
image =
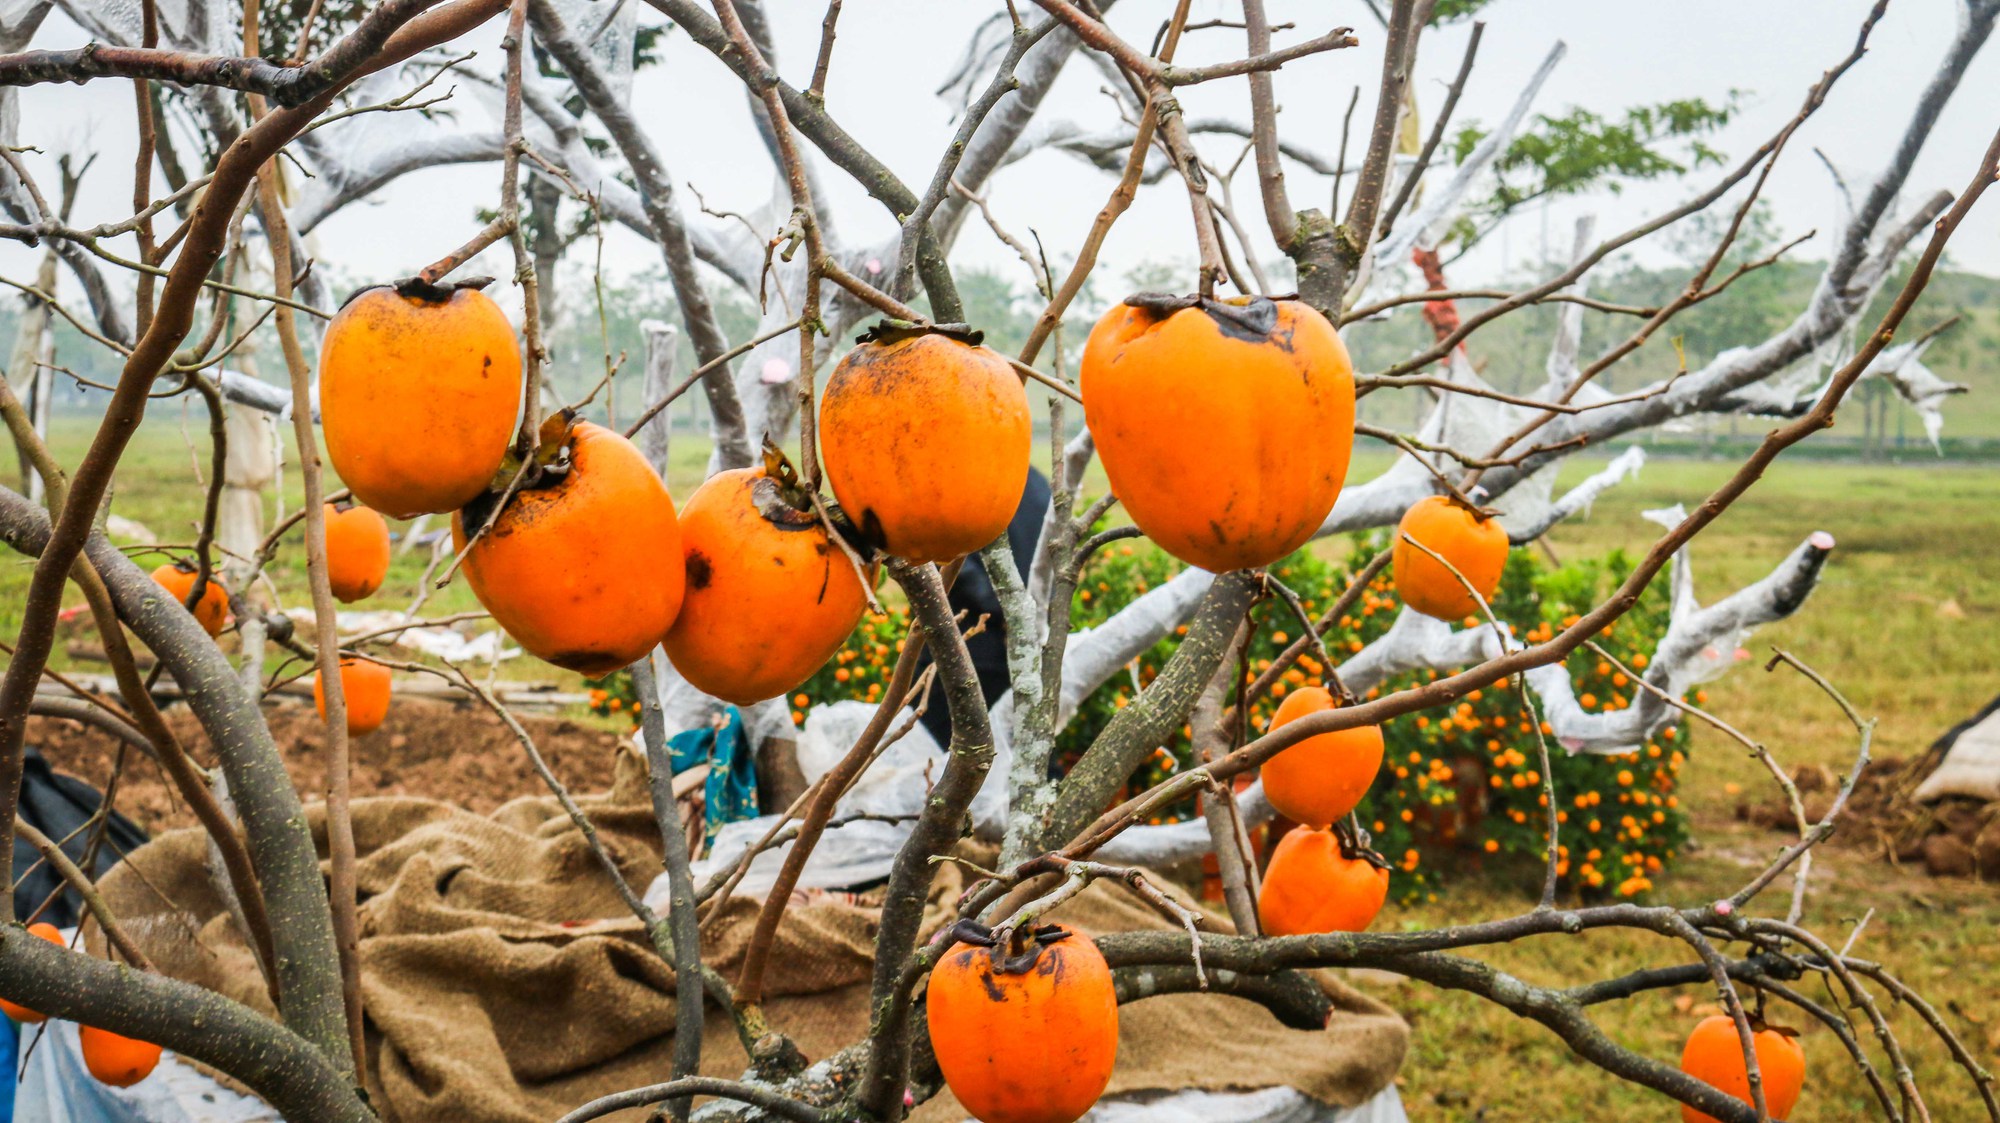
column 730, row 795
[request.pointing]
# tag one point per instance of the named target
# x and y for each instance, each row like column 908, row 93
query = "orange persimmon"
column 419, row 386
column 1311, row 887
column 21, row 1013
column 118, row 1061
column 586, row 572
column 770, row 596
column 357, row 551
column 926, row 437
column 1225, row 428
column 1471, row 540
column 1323, row 777
column 1714, row 1055
column 212, row 611
column 365, row 687
column 1027, row 1035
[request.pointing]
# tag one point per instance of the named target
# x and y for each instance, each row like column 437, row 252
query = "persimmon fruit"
column 1225, row 429
column 770, row 595
column 1714, row 1055
column 925, row 435
column 1026, row 1034
column 118, row 1061
column 1472, row 540
column 1323, row 777
column 419, row 388
column 1310, row 886
column 585, row 572
column 365, row 688
column 212, row 610
column 21, row 1013
column 357, row 551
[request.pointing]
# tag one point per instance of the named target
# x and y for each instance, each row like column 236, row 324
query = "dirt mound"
column 1952, row 837
column 459, row 753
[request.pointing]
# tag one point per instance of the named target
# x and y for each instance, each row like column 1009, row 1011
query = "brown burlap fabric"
column 496, row 992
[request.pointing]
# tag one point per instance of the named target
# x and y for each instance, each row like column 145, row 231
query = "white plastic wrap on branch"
column 853, row 850
column 356, row 157
column 199, row 26
column 1901, row 366
column 1439, row 211
column 685, row 707
column 1417, row 642
column 655, row 437
column 1096, row 654
column 1579, row 498
column 1700, row 644
column 1171, row 843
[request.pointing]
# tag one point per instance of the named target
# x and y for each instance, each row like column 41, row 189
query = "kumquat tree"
column 1046, row 614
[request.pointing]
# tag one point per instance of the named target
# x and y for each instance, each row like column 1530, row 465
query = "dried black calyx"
column 895, row 331
column 1356, row 844
column 430, row 292
column 1252, row 320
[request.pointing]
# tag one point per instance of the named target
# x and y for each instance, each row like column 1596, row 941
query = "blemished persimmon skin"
column 1475, row 546
column 21, row 1013
column 211, row 611
column 768, row 601
column 1714, row 1055
column 926, row 442
column 586, row 574
column 418, row 398
column 357, row 552
column 1311, row 887
column 118, row 1061
column 365, row 688
column 1227, row 447
column 1032, row 1047
column 1323, row 777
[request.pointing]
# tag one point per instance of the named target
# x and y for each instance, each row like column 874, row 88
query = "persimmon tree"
column 339, row 96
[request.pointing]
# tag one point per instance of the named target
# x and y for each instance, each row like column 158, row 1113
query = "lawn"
column 1903, row 623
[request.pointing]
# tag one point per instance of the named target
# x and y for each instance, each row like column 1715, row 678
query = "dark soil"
column 458, row 753
column 1953, row 837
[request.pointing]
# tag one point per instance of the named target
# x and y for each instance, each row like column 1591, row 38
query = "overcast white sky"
column 892, row 54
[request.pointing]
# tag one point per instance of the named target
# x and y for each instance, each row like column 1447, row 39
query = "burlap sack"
column 496, row 990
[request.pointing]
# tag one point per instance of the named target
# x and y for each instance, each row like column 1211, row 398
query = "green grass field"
column 1903, row 623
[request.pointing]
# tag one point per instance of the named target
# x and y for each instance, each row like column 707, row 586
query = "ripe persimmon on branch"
column 913, row 454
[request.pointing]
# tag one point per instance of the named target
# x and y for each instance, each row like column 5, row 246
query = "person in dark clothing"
column 973, row 594
column 57, row 806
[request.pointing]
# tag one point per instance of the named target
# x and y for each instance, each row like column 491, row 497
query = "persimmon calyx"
column 895, row 331
column 1357, row 845
column 416, row 288
column 1014, row 951
column 1252, row 319
column 431, row 291
column 1483, row 514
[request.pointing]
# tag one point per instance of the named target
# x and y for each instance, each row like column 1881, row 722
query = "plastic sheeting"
column 853, row 851
column 1265, row 1105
